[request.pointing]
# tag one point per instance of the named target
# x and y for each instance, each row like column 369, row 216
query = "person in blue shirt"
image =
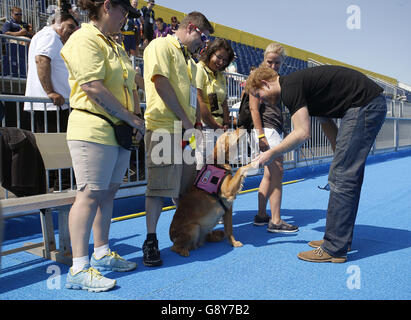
column 162, row 29
column 129, row 33
column 15, row 26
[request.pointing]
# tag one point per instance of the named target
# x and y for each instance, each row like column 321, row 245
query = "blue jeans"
column 356, row 135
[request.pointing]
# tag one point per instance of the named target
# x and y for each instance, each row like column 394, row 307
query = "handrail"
column 18, row 98
column 23, row 39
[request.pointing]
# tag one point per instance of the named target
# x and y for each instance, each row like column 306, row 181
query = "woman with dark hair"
column 212, row 92
column 211, row 84
column 102, row 83
column 174, row 24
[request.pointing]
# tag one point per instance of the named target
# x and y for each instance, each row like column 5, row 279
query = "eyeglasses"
column 224, row 60
column 203, row 36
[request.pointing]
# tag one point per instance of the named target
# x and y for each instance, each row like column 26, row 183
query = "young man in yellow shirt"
column 169, row 75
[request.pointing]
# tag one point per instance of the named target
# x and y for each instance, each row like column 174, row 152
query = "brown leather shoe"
column 319, row 243
column 319, row 255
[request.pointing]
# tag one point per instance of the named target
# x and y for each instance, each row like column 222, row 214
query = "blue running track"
column 266, row 267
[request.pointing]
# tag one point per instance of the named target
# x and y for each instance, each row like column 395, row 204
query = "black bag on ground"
column 244, row 114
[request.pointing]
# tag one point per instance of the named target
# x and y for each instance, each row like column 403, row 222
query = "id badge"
column 193, row 97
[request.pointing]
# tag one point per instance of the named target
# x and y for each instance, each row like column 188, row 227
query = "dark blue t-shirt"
column 14, row 26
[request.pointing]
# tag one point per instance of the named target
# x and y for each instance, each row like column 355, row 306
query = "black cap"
column 132, row 13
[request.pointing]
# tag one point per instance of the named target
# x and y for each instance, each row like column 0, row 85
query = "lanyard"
column 108, row 41
column 193, row 89
column 183, row 50
column 125, row 71
column 187, row 58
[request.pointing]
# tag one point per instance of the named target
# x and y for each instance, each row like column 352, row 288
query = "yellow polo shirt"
column 89, row 56
column 164, row 56
column 209, row 84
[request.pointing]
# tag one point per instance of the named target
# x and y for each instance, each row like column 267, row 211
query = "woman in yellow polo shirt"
column 212, row 93
column 101, row 78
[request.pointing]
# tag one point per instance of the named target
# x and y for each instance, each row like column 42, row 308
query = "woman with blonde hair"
column 268, row 130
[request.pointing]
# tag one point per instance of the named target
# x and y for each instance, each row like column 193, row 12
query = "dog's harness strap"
column 210, row 178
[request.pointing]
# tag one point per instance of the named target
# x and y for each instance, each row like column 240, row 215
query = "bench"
column 55, row 154
column 44, row 205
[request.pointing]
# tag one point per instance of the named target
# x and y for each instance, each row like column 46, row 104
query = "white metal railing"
column 390, row 90
column 14, row 63
column 394, row 135
column 235, row 87
column 14, row 66
column 15, row 114
column 35, row 12
column 235, row 83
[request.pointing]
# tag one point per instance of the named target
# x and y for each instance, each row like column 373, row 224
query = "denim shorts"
column 97, row 165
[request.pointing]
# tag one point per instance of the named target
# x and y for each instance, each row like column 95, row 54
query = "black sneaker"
column 282, row 227
column 151, row 254
column 258, row 221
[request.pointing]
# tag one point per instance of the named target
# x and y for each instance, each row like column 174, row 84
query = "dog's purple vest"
column 210, row 179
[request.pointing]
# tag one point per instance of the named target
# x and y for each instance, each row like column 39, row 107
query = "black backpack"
column 244, row 114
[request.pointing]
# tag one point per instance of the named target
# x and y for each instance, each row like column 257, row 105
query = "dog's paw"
column 181, row 251
column 185, row 252
column 244, row 171
column 250, row 169
column 236, row 244
column 255, row 164
column 215, row 236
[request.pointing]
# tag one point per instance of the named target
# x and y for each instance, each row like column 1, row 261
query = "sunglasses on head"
column 203, row 36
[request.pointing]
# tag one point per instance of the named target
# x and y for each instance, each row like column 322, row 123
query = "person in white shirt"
column 47, row 73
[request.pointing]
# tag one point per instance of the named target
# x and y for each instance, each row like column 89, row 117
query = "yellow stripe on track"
column 142, row 214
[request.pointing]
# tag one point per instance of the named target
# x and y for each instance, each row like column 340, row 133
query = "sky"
column 371, row 34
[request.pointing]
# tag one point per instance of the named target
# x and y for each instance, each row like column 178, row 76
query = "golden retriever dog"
column 198, row 211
